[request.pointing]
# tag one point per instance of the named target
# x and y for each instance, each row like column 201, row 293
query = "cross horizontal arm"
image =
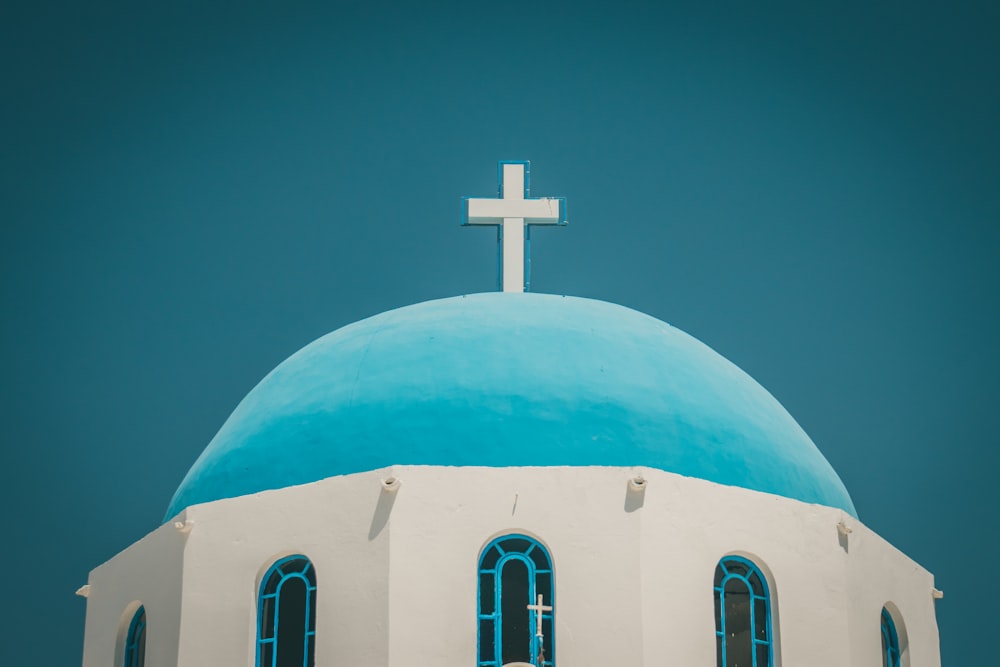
column 541, row 211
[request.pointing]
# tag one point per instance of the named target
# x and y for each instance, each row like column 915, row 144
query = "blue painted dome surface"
column 510, row 380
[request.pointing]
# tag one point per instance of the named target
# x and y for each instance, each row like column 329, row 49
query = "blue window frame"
column 890, row 640
column 135, row 640
column 742, row 615
column 514, row 570
column 286, row 614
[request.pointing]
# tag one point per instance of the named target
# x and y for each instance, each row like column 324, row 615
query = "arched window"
column 135, row 640
column 742, row 615
column 890, row 641
column 286, row 614
column 515, row 603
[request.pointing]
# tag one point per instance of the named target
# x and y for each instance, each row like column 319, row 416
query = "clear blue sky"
column 190, row 194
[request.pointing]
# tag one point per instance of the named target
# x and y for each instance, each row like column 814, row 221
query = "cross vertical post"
column 512, row 212
column 539, row 609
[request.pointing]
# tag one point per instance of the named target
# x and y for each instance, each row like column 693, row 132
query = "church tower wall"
column 396, row 569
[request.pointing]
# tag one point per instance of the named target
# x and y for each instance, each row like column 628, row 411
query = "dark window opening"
column 890, row 640
column 513, row 571
column 286, row 615
column 514, row 600
column 742, row 615
column 135, row 640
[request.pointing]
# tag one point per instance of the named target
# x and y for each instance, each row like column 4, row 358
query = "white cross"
column 538, row 609
column 511, row 212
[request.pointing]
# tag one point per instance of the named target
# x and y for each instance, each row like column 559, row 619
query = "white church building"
column 510, row 479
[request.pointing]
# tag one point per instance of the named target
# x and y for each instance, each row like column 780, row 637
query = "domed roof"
column 510, row 380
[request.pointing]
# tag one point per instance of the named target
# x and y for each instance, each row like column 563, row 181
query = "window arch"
column 742, row 615
column 890, row 640
column 515, row 572
column 135, row 640
column 286, row 614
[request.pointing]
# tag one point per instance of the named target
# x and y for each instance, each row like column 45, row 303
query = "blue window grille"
column 135, row 640
column 286, row 614
column 514, row 570
column 890, row 641
column 742, row 615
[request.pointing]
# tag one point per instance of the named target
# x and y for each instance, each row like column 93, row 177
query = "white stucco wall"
column 148, row 573
column 904, row 585
column 233, row 542
column 396, row 572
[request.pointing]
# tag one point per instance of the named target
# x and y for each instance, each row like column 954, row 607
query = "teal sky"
column 188, row 195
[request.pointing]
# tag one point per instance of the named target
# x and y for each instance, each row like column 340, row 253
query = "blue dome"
column 510, row 380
